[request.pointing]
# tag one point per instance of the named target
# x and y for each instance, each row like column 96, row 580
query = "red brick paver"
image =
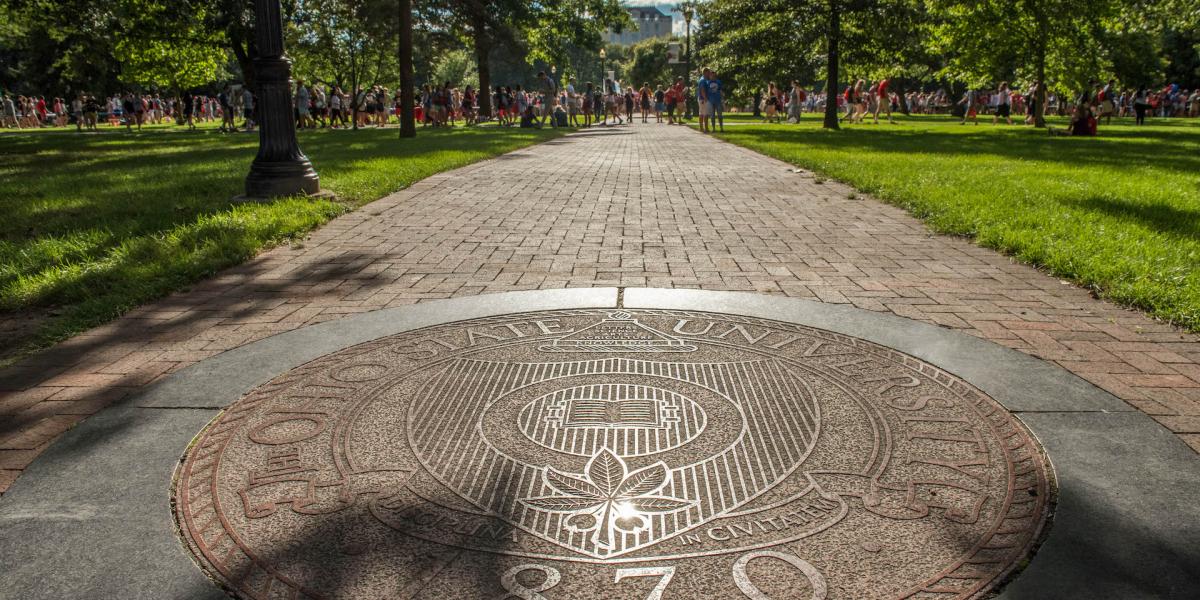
column 637, row 206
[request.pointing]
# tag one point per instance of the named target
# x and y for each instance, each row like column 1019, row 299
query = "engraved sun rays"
column 607, row 487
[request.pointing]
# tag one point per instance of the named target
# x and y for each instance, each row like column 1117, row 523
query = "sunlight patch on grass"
column 1119, row 213
column 97, row 224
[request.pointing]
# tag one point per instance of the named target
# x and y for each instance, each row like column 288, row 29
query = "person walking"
column 1003, row 104
column 883, row 99
column 127, row 109
column 585, row 104
column 702, row 98
column 302, row 99
column 644, row 100
column 770, row 106
column 969, row 111
column 660, row 103
column 1141, row 105
column 248, row 108
column 796, row 100
column 671, row 98
column 91, row 107
column 549, row 92
column 77, row 111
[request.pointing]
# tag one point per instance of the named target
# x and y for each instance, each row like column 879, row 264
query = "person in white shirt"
column 1003, row 104
column 302, row 97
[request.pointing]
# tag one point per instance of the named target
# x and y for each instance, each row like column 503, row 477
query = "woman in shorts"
column 660, row 103
column 585, row 104
column 644, row 100
column 771, row 103
column 468, row 106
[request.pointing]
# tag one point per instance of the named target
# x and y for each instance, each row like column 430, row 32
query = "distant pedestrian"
column 1003, row 104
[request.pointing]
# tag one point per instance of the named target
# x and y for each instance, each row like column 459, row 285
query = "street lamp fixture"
column 280, row 168
column 603, row 77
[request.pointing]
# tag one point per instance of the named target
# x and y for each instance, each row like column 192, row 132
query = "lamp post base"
column 282, row 178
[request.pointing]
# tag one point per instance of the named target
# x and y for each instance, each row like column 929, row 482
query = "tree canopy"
column 63, row 46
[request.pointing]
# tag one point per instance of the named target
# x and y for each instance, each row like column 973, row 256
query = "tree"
column 345, row 42
column 752, row 42
column 647, row 63
column 408, row 126
column 832, row 63
column 545, row 29
column 457, row 67
column 1040, row 40
column 781, row 40
column 192, row 59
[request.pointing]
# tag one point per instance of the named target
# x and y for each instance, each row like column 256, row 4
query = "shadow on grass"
column 1175, row 148
column 98, row 223
column 1158, row 217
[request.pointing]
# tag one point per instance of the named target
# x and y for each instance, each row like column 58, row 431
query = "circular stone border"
column 231, row 550
column 1125, row 523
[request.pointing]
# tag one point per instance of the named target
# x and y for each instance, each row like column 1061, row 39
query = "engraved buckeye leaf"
column 606, row 487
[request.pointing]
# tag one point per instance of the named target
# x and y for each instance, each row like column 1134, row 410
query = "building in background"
column 648, row 22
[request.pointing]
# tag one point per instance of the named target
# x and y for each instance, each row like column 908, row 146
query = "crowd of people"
column 544, row 104
column 130, row 110
column 1098, row 101
column 612, row 101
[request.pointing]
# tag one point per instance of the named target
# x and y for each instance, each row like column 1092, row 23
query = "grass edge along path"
column 82, row 250
column 1118, row 214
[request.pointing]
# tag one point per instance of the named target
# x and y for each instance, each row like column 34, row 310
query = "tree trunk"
column 354, row 83
column 245, row 60
column 1039, row 115
column 479, row 27
column 408, row 125
column 831, row 79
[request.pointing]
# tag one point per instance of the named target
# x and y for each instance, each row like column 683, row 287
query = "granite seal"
column 599, row 452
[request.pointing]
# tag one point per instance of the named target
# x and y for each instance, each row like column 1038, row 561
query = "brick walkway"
column 636, row 206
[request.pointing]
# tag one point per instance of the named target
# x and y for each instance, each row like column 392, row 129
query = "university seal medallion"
column 613, row 454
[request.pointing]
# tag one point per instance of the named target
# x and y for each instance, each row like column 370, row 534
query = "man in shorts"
column 302, row 97
column 709, row 92
column 248, row 108
column 702, row 99
column 883, row 100
column 549, row 93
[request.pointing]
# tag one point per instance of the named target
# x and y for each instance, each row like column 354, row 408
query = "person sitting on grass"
column 528, row 117
column 1083, row 123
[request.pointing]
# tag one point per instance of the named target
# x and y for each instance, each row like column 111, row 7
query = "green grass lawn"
column 96, row 224
column 1119, row 213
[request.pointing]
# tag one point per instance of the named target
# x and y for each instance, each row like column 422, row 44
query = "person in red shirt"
column 676, row 101
column 883, row 100
column 848, row 102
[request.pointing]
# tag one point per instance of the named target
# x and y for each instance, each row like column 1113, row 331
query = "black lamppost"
column 603, row 76
column 688, row 10
column 280, row 169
